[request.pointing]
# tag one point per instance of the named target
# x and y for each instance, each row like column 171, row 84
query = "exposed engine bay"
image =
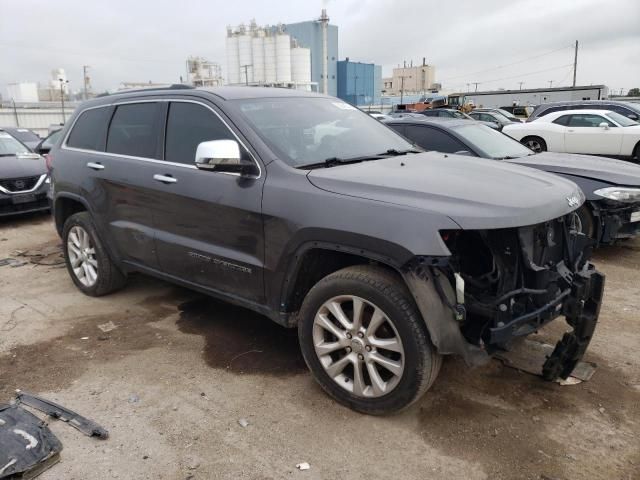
column 510, row 282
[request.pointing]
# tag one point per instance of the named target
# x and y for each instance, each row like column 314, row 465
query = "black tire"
column 109, row 277
column 586, row 222
column 534, row 143
column 636, row 153
column 386, row 290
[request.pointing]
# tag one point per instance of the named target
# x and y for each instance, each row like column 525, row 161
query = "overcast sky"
column 498, row 43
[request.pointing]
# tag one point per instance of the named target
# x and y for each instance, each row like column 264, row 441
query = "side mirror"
column 41, row 149
column 463, row 152
column 633, row 116
column 604, row 125
column 221, row 156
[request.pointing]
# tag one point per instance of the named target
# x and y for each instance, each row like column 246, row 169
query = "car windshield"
column 621, row 119
column 494, row 144
column 501, row 118
column 25, row 135
column 509, row 115
column 307, row 130
column 9, row 146
column 457, row 114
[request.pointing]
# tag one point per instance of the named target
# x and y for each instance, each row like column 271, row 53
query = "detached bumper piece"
column 618, row 223
column 581, row 311
column 27, row 446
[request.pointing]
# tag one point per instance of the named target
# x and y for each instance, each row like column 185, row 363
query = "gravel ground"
column 179, row 371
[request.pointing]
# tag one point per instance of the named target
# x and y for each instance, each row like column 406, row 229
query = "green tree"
column 633, row 92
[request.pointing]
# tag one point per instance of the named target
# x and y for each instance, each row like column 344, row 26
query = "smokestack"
column 424, row 61
column 324, row 23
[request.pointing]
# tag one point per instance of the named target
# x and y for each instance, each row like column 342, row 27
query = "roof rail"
column 175, row 86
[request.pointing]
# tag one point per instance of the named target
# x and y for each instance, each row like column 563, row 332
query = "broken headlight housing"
column 620, row 194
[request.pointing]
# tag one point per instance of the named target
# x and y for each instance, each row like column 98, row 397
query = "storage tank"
column 300, row 65
column 270, row 59
column 245, row 56
column 257, row 50
column 233, row 60
column 283, row 58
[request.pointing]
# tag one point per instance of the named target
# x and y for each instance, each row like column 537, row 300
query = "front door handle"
column 95, row 166
column 164, row 178
column 570, row 131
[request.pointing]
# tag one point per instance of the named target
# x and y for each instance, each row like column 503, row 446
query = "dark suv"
column 307, row 210
column 628, row 109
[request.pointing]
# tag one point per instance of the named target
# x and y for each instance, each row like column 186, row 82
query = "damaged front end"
column 501, row 284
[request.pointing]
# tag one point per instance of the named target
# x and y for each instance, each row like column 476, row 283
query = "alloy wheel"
column 82, row 256
column 358, row 346
column 534, row 145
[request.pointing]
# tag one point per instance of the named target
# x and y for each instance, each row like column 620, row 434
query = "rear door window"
column 89, row 130
column 189, row 124
column 134, row 130
column 433, row 139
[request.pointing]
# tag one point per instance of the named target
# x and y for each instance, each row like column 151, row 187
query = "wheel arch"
column 66, row 205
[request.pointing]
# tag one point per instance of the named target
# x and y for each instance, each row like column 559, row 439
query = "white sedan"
column 595, row 132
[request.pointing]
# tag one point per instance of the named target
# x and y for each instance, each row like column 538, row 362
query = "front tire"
column 365, row 342
column 88, row 263
column 536, row 144
column 582, row 222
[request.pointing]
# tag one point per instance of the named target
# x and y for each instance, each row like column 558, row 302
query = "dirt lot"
column 172, row 380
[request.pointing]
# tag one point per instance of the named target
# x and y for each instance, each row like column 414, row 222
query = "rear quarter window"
column 89, row 130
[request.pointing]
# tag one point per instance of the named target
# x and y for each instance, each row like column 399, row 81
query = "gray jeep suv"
column 305, row 209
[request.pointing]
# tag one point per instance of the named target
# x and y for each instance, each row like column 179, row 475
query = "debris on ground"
column 107, row 327
column 49, row 255
column 86, row 426
column 12, row 262
column 27, row 446
column 303, row 466
column 243, row 422
column 529, row 356
column 133, row 398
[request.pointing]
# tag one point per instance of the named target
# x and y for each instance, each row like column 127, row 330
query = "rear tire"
column 88, row 264
column 536, row 144
column 348, row 358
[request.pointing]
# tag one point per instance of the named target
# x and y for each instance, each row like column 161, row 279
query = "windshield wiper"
column 334, row 161
column 394, row 153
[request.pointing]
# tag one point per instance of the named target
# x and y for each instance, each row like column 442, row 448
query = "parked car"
column 612, row 187
column 380, row 116
column 384, row 258
column 492, row 117
column 628, row 109
column 451, row 113
column 44, row 146
column 596, row 132
column 505, row 113
column 24, row 135
column 403, row 114
column 23, row 178
column 519, row 111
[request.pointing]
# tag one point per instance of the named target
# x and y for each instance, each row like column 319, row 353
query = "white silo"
column 283, row 58
column 270, row 58
column 233, row 59
column 257, row 50
column 245, row 56
column 301, row 66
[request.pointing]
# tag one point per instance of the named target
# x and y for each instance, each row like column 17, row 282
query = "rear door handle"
column 95, row 166
column 164, row 178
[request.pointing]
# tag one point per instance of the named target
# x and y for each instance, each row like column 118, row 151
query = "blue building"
column 359, row 83
column 309, row 35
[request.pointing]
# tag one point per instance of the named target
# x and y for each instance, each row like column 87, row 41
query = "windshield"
column 9, row 146
column 493, row 143
column 621, row 119
column 307, row 130
column 25, row 135
column 457, row 114
column 509, row 115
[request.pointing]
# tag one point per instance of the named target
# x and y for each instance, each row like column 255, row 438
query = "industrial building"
column 359, row 83
column 290, row 55
column 203, row 73
column 410, row 79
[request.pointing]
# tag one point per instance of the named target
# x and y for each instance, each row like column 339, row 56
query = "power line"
column 523, row 74
column 508, row 64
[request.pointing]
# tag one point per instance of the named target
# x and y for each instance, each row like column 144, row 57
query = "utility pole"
column 575, row 64
column 468, row 87
column 85, row 82
column 246, row 73
column 62, row 84
column 15, row 111
column 355, row 88
column 476, row 84
column 550, row 83
column 401, row 88
column 520, row 83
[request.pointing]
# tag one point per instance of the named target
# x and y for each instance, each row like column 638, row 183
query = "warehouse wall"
column 36, row 119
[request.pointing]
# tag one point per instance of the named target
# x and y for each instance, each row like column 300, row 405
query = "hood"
column 22, row 166
column 609, row 170
column 474, row 194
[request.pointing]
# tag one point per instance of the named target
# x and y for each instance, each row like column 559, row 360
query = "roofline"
column 532, row 90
